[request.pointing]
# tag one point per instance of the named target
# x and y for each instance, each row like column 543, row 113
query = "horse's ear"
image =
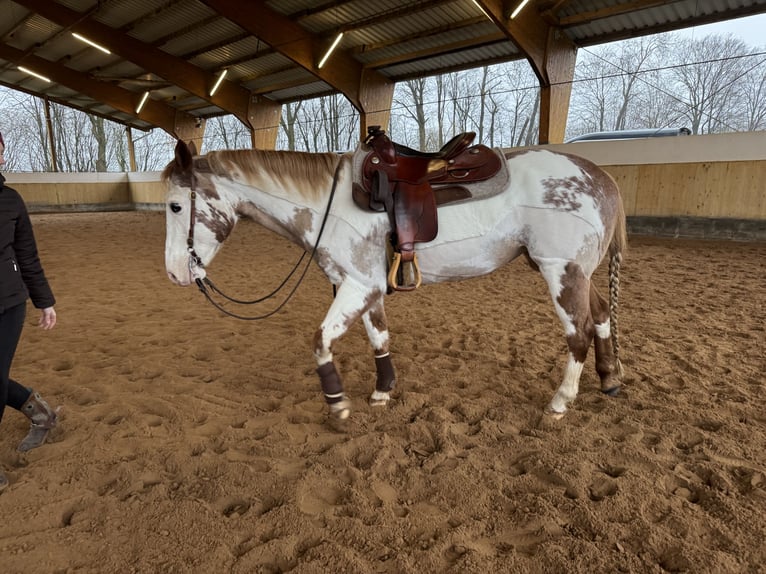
column 193, row 148
column 184, row 155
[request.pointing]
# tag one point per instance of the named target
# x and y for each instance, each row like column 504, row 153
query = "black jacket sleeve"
column 21, row 273
column 29, row 261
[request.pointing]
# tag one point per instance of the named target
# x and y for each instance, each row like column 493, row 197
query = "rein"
column 205, row 283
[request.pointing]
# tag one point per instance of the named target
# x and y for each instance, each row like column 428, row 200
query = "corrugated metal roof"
column 397, row 39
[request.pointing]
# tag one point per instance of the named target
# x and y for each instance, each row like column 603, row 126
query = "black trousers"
column 11, row 325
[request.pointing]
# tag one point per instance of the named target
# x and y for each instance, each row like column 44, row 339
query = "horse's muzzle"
column 192, row 274
column 183, row 282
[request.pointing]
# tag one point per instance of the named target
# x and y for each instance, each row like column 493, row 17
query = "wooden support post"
column 552, row 56
column 131, row 148
column 264, row 115
column 51, row 138
column 376, row 96
column 189, row 129
column 556, row 87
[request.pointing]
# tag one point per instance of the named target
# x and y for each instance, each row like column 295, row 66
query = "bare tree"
column 716, row 87
column 288, row 121
column 753, row 87
column 489, row 102
column 413, row 102
column 706, row 84
column 520, row 102
column 226, row 132
column 99, row 133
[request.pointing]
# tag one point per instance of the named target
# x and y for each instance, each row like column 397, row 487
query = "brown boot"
column 43, row 420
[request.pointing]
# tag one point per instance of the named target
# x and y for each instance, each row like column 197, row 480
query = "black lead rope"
column 202, row 284
column 217, row 291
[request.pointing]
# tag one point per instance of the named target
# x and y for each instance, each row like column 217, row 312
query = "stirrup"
column 410, row 270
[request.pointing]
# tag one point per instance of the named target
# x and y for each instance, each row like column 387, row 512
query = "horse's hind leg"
column 570, row 290
column 376, row 325
column 606, row 363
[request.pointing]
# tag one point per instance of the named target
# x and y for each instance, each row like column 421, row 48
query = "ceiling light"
column 330, row 50
column 519, row 8
column 217, row 85
column 35, row 74
column 483, row 11
column 90, row 43
column 142, row 102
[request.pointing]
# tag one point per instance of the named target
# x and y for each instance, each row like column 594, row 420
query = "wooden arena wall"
column 691, row 186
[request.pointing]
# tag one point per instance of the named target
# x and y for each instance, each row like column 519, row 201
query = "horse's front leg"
column 351, row 301
column 376, row 324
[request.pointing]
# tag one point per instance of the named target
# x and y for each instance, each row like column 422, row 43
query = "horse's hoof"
column 341, row 410
column 554, row 415
column 613, row 392
column 379, row 399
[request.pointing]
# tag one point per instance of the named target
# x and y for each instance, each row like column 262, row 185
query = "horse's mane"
column 298, row 170
column 294, row 169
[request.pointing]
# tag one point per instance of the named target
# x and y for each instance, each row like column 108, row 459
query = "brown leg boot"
column 43, row 420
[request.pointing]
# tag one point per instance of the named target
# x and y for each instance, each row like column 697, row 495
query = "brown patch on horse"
column 180, row 177
column 217, row 222
column 577, row 306
column 318, row 335
column 561, row 192
column 378, row 320
column 300, row 222
column 605, row 193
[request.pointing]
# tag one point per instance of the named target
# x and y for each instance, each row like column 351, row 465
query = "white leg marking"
column 603, row 330
column 341, row 410
column 567, row 391
column 553, row 271
column 346, row 307
column 379, row 399
column 378, row 339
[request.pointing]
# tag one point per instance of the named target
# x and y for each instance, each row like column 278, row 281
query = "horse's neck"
column 287, row 213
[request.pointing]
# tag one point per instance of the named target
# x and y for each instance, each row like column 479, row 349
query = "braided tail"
column 614, row 295
column 618, row 245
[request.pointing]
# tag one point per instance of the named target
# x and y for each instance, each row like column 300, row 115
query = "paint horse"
column 560, row 211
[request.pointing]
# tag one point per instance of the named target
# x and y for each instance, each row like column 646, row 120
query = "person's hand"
column 47, row 318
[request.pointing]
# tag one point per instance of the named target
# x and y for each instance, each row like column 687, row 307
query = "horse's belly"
column 472, row 243
column 468, row 247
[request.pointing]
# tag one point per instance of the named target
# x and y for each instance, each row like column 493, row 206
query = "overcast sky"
column 751, row 30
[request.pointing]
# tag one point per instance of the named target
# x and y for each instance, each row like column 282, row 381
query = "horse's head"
column 198, row 219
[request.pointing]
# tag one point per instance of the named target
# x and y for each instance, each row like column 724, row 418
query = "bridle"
column 206, row 286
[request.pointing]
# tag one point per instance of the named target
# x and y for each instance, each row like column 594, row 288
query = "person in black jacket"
column 21, row 278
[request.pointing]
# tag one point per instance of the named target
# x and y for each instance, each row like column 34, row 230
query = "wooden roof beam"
column 230, row 96
column 609, row 11
column 70, row 103
column 369, row 92
column 156, row 113
column 551, row 54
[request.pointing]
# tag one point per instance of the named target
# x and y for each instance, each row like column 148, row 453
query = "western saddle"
column 409, row 184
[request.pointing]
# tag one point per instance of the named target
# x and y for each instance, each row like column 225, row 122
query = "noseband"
column 205, row 285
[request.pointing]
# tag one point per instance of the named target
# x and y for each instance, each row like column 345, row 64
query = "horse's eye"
column 175, row 207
